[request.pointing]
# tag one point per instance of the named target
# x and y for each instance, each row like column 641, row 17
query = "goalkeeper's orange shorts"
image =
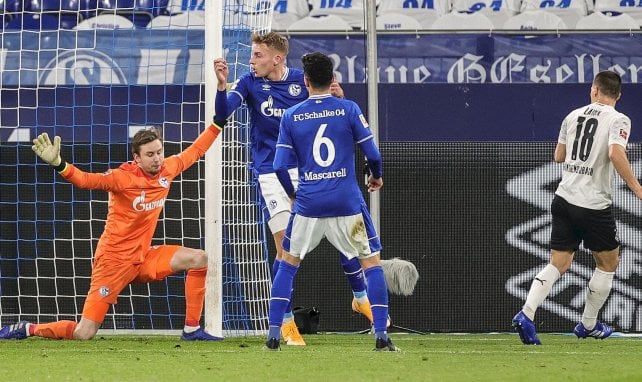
column 109, row 278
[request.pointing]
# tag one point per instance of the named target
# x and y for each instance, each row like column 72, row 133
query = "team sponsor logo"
column 568, row 295
column 139, row 203
column 268, row 109
column 266, row 87
column 104, row 291
column 107, row 172
column 273, row 203
column 624, row 134
column 82, row 67
column 294, row 90
column 163, row 182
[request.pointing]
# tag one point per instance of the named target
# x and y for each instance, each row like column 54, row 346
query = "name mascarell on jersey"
column 326, row 175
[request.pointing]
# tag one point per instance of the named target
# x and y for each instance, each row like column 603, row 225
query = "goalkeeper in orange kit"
column 124, row 255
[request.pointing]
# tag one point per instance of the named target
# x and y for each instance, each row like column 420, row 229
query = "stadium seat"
column 105, row 21
column 496, row 11
column 463, row 21
column 397, row 21
column 601, row 21
column 570, row 11
column 288, row 11
column 139, row 12
column 350, row 11
column 424, row 12
column 630, row 7
column 10, row 10
column 67, row 10
column 34, row 21
column 535, row 20
column 185, row 20
column 321, row 23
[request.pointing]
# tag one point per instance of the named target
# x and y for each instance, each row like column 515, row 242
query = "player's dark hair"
column 145, row 136
column 317, row 68
column 272, row 40
column 608, row 83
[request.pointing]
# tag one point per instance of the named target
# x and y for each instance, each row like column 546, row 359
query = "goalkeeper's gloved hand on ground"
column 49, row 152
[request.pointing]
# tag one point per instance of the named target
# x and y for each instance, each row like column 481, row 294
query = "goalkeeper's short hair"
column 145, row 136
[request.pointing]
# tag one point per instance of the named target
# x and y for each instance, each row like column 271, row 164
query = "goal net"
column 95, row 85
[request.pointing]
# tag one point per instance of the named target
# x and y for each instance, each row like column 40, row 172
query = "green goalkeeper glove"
column 49, row 152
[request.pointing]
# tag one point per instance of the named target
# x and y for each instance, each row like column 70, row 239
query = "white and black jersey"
column 587, row 172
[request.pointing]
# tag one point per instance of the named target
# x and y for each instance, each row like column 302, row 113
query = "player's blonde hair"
column 145, row 136
column 272, row 40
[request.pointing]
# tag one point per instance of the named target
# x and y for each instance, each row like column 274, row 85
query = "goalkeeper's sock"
column 378, row 296
column 59, row 330
column 540, row 288
column 280, row 297
column 352, row 270
column 194, row 295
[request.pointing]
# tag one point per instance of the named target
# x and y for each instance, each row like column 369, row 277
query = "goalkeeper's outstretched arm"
column 49, row 152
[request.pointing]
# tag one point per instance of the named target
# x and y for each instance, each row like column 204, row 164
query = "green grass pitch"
column 328, row 358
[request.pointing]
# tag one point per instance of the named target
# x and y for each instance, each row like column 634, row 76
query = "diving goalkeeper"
column 124, row 255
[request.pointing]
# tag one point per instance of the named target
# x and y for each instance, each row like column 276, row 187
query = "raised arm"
column 50, row 153
column 224, row 104
column 375, row 164
column 181, row 162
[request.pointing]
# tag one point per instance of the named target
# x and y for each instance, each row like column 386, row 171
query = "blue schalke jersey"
column 322, row 131
column 267, row 101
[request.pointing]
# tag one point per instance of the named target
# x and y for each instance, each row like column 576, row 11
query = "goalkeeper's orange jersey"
column 136, row 199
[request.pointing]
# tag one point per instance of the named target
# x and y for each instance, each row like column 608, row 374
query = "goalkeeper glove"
column 220, row 122
column 49, row 152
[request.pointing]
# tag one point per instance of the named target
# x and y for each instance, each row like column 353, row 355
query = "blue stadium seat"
column 34, row 21
column 139, row 12
column 87, row 8
column 10, row 10
column 68, row 11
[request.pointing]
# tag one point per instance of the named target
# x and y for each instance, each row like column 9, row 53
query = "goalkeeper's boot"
column 600, row 331
column 16, row 331
column 272, row 344
column 290, row 333
column 526, row 329
column 199, row 335
column 365, row 309
column 383, row 345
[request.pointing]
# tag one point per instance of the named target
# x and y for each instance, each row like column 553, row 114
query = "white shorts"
column 274, row 200
column 353, row 236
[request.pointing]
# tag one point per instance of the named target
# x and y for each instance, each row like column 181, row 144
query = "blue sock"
column 275, row 269
column 378, row 296
column 352, row 269
column 280, row 297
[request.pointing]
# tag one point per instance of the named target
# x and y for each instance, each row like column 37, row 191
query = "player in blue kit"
column 268, row 90
column 321, row 133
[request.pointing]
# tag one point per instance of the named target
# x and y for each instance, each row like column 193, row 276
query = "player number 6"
column 319, row 140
